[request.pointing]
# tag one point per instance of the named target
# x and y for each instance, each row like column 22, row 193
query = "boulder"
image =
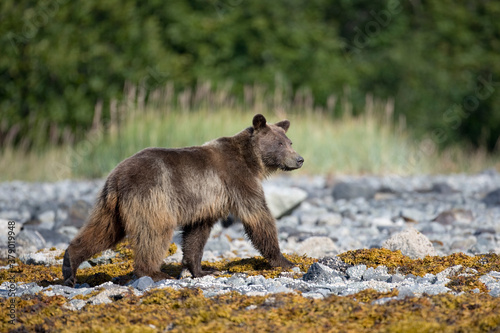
column 282, row 200
column 318, row 247
column 492, row 198
column 411, row 243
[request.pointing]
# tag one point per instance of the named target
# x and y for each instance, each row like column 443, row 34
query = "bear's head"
column 274, row 146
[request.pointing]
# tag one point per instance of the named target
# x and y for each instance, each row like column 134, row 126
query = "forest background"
column 67, row 68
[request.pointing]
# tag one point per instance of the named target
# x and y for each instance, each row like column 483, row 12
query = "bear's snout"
column 292, row 163
column 300, row 161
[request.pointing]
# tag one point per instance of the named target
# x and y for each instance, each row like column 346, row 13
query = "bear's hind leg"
column 102, row 232
column 194, row 238
column 151, row 248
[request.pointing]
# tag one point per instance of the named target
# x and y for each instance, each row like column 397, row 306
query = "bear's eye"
column 281, row 144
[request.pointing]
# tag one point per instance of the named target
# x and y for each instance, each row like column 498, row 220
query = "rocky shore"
column 317, row 217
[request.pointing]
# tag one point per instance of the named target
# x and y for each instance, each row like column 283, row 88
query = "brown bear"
column 150, row 194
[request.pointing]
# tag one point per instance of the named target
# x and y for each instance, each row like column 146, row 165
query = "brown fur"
column 147, row 196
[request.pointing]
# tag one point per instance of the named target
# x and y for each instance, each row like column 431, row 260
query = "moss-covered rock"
column 188, row 310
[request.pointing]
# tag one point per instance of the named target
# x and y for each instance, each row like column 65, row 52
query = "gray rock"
column 105, row 258
column 75, row 304
column 335, row 263
column 495, row 275
column 20, row 216
column 396, row 278
column 143, row 283
column 411, row 243
column 354, row 288
column 313, row 295
column 405, row 291
column 54, row 238
column 290, row 221
column 68, row 231
column 330, row 219
column 492, row 282
column 453, row 216
column 66, row 291
column 309, row 219
column 4, row 233
column 29, row 241
column 420, row 289
column 101, row 298
column 410, row 277
column 319, row 273
column 323, row 291
column 78, row 214
column 282, row 200
column 352, row 190
column 427, row 279
column 111, row 292
column 236, row 281
column 44, row 257
column 443, row 188
column 383, row 300
column 436, row 290
column 84, row 264
column 47, row 219
column 412, row 215
column 310, row 214
column 447, row 272
column 495, row 292
column 279, row 288
column 28, row 289
column 377, row 274
column 220, row 244
column 492, row 198
column 483, row 231
column 317, row 247
column 185, row 273
column 463, row 244
column 382, row 222
column 355, row 273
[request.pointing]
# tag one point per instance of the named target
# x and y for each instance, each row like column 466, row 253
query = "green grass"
column 367, row 144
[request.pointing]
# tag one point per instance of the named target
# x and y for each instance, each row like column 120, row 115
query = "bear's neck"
column 248, row 152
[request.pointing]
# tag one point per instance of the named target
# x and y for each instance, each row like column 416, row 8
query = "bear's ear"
column 284, row 124
column 259, row 121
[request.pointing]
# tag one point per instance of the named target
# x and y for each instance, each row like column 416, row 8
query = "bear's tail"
column 102, row 231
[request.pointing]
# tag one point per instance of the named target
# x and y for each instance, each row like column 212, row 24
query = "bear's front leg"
column 194, row 238
column 261, row 229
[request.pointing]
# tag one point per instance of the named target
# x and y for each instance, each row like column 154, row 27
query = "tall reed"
column 333, row 139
